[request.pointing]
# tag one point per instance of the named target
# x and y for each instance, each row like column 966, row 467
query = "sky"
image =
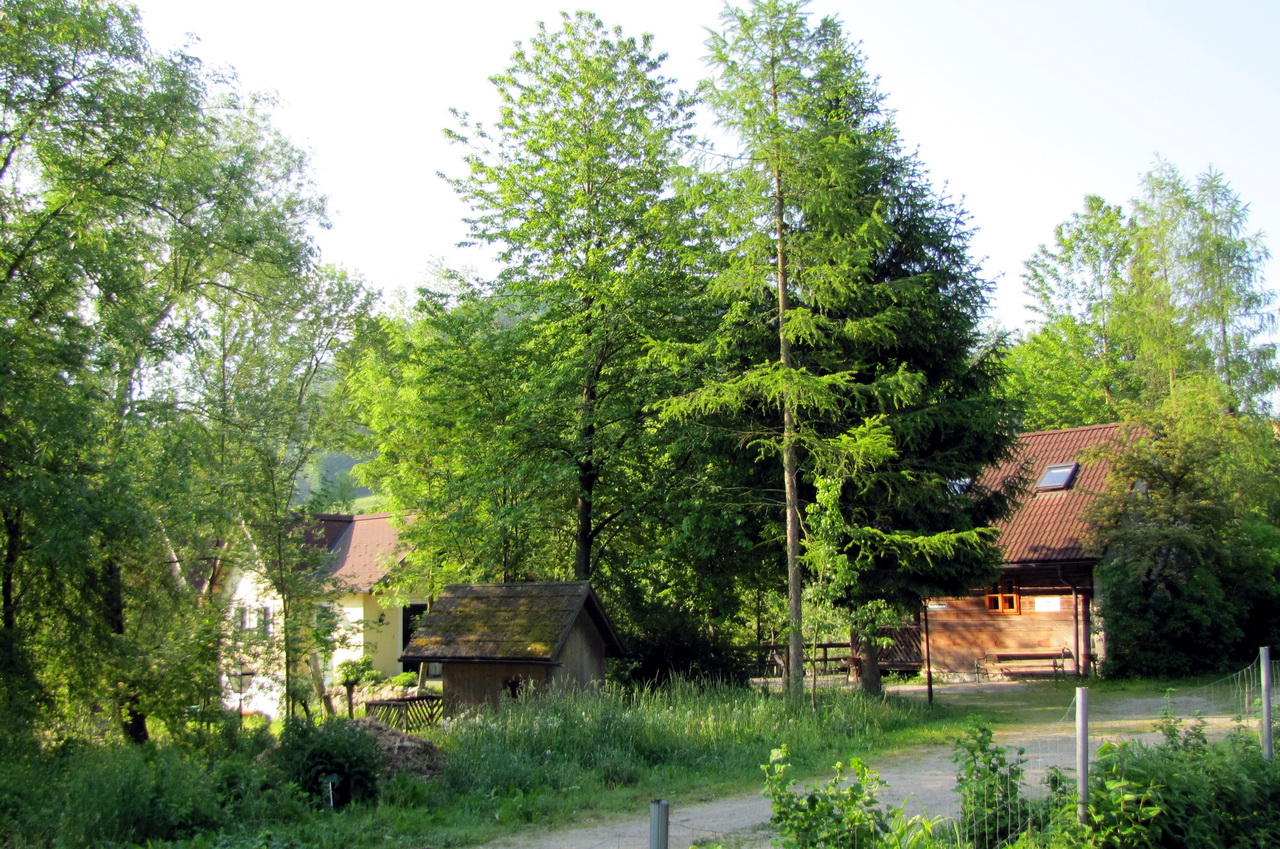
column 1020, row 108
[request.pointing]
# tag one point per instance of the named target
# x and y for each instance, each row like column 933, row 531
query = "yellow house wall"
column 360, row 613
column 262, row 691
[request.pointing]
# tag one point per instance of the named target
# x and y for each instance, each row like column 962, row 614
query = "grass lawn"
column 539, row 762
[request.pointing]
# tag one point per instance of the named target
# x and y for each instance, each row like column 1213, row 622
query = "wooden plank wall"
column 477, row 683
column 963, row 630
column 582, row 656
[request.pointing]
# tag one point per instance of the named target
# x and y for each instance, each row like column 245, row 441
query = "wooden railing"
column 409, row 713
column 769, row 659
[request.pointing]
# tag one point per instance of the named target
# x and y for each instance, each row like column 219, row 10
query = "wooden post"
column 1075, row 629
column 928, row 661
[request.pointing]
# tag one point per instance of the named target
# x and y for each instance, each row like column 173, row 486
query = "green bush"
column 358, row 672
column 335, row 754
column 81, row 796
column 841, row 813
column 1183, row 793
column 404, row 679
column 252, row 790
column 992, row 807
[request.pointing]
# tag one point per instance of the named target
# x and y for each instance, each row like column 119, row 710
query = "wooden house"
column 1039, row 616
column 496, row 639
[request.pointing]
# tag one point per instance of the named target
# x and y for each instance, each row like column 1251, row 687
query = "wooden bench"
column 1013, row 660
column 407, row 714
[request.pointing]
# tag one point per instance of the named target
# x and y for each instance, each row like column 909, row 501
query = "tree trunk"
column 133, row 722
column 790, row 459
column 13, row 545
column 17, row 681
column 588, row 474
column 871, row 683
column 317, row 682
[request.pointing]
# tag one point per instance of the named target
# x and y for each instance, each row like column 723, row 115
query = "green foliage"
column 404, row 679
column 335, row 762
column 1184, row 791
column 514, row 416
column 617, row 738
column 360, row 672
column 1186, row 523
column 1136, row 301
column 841, row 812
column 848, row 354
column 85, row 796
column 992, row 807
column 163, row 330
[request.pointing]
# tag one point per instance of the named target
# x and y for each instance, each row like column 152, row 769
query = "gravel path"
column 921, row 778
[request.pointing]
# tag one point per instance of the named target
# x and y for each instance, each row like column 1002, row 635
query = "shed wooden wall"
column 478, row 683
column 581, row 656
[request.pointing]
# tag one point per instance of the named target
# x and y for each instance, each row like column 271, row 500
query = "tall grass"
column 545, row 759
column 615, row 738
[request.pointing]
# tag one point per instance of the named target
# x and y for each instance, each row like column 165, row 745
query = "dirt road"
column 921, row 778
column 924, row 776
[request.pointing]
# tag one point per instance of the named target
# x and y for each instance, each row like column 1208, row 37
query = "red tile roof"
column 364, row 548
column 1049, row 527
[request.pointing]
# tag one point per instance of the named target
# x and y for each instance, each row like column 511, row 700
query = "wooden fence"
column 769, row 660
column 410, row 713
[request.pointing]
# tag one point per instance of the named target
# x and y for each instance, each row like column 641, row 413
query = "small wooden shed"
column 495, row 639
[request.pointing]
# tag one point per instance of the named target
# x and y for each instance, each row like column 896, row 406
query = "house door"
column 409, row 623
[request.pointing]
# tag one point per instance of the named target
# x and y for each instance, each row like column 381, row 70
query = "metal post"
column 1267, row 748
column 1082, row 755
column 658, row 813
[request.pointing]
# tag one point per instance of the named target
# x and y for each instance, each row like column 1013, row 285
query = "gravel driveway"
column 921, row 778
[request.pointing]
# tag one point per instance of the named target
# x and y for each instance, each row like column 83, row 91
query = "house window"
column 1057, row 476
column 264, row 621
column 1004, row 599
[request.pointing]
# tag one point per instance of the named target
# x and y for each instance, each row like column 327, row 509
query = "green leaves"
column 1138, row 300
column 154, row 246
column 874, row 393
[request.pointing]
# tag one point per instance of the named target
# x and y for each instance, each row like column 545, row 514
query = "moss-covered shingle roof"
column 525, row 623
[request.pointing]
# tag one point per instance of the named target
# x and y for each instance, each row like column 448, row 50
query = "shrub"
column 404, row 679
column 992, row 807
column 335, row 757
column 1184, row 792
column 839, row 813
column 358, row 672
column 81, row 796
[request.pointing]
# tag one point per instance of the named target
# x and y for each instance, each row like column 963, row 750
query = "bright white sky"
column 1021, row 107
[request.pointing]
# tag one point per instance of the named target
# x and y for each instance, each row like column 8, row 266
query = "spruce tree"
column 879, row 397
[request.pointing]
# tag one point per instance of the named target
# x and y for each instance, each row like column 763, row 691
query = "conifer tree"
column 878, row 397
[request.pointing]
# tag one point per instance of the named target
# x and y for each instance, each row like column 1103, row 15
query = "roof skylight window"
column 1057, row 476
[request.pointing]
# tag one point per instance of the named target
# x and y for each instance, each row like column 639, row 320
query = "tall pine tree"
column 878, row 397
